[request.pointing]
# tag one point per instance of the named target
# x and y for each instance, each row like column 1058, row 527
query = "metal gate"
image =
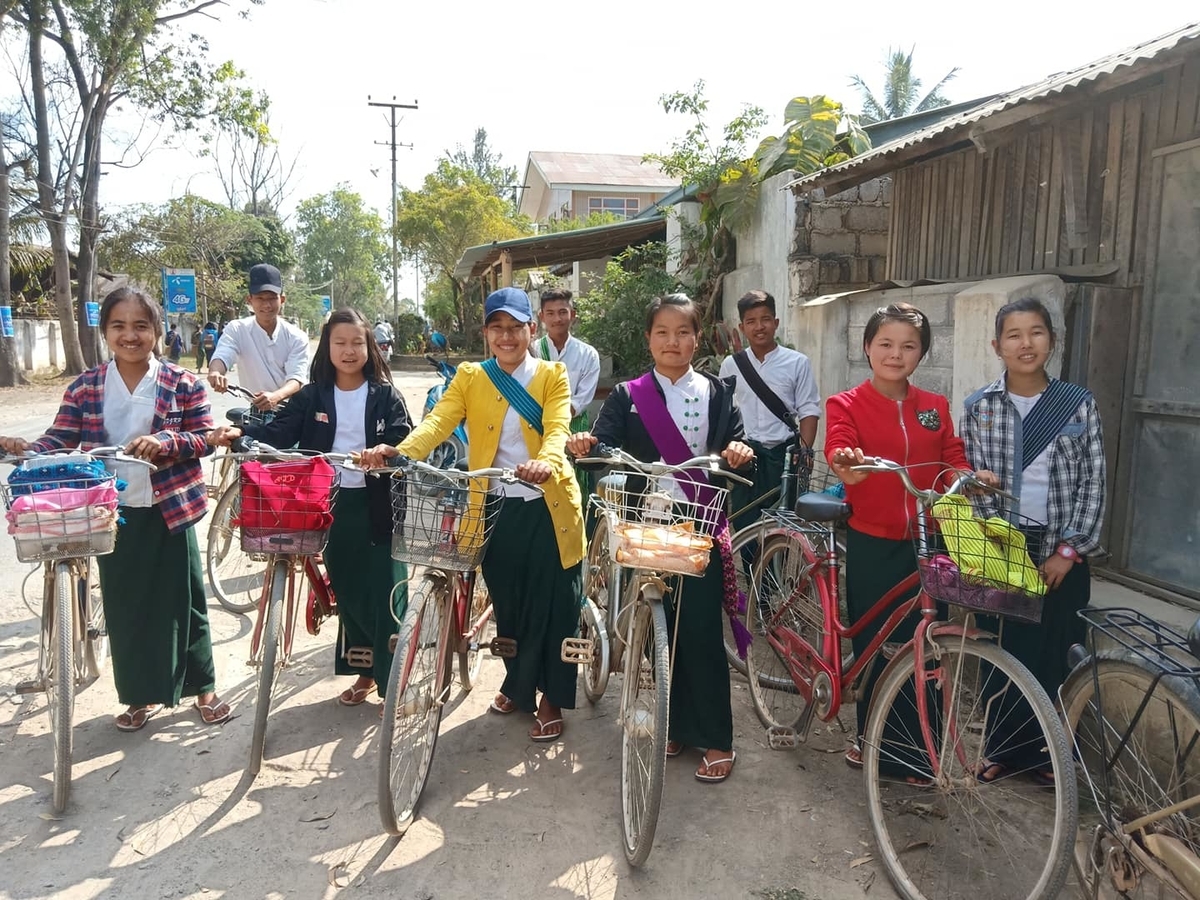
column 1162, row 538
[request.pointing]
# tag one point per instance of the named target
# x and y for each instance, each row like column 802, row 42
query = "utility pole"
column 393, row 106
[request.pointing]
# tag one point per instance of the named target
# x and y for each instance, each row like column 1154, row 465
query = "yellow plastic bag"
column 990, row 549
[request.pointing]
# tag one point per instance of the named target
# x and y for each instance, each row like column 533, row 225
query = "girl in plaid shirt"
column 152, row 582
column 1042, row 437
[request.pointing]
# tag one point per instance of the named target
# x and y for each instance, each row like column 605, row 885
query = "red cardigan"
column 916, row 430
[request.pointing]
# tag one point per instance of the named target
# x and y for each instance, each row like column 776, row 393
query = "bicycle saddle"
column 821, row 508
column 235, row 415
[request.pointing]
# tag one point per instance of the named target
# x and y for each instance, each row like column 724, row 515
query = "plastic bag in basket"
column 670, row 547
column 286, row 497
column 991, row 549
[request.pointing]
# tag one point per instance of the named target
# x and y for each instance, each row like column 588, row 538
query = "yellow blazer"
column 472, row 396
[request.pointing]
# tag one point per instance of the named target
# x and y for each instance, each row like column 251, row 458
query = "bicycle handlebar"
column 616, row 456
column 248, row 448
column 116, row 453
column 927, row 497
column 508, row 476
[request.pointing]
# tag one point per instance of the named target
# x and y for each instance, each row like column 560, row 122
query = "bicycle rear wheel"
column 60, row 642
column 644, row 710
column 235, row 577
column 269, row 642
column 471, row 661
column 599, row 595
column 744, row 555
column 96, row 644
column 412, row 709
column 958, row 836
column 1134, row 760
column 787, row 601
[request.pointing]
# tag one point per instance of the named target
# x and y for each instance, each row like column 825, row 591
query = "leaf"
column 339, row 876
column 861, row 861
column 49, row 817
column 320, row 817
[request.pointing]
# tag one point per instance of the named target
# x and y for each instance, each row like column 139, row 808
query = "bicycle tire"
column 96, row 644
column 961, row 836
column 598, row 591
column 645, row 706
column 61, row 687
column 234, row 576
column 595, row 672
column 471, row 661
column 740, row 540
column 1151, row 772
column 269, row 642
column 786, row 599
column 412, row 707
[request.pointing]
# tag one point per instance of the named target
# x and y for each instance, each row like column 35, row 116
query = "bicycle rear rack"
column 1160, row 646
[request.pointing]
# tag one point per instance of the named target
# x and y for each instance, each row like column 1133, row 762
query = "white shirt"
column 583, row 368
column 350, row 435
column 383, row 332
column 264, row 361
column 687, row 403
column 512, row 450
column 128, row 416
column 787, row 373
column 1035, row 480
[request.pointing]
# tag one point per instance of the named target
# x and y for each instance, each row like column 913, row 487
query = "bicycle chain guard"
column 505, row 648
column 577, row 651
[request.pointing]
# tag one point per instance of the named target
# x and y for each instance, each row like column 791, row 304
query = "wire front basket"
column 658, row 528
column 981, row 562
column 440, row 521
column 61, row 508
column 286, row 507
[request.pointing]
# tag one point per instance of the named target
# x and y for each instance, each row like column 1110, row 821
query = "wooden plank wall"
column 1070, row 191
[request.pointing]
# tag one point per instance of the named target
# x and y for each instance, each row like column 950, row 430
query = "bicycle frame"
column 316, row 582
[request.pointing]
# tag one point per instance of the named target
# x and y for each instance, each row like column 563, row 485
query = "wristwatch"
column 1066, row 551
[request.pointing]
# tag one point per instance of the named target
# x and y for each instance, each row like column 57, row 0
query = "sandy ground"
column 169, row 811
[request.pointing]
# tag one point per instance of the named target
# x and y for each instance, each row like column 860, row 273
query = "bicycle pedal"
column 577, row 651
column 505, row 648
column 360, row 657
column 33, row 686
column 782, row 738
column 645, row 678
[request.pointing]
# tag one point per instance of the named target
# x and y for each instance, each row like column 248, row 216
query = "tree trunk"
column 10, row 370
column 89, row 232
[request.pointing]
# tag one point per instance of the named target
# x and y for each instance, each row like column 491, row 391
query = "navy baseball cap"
column 265, row 277
column 511, row 300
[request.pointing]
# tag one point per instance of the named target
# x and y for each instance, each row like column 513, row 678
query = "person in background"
column 383, row 336
column 779, row 400
column 174, row 344
column 153, row 581
column 271, row 354
column 206, row 345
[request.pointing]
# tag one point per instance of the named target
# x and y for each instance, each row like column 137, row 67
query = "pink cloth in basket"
column 64, row 511
column 63, row 498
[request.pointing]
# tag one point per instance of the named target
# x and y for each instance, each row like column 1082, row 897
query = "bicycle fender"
column 953, row 629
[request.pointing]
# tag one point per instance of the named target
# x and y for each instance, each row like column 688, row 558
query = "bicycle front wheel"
column 235, row 577
column 412, row 709
column 1139, row 753
column 269, row 642
column 996, row 816
column 644, row 711
column 61, row 680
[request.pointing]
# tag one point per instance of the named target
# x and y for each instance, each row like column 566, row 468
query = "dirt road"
column 168, row 811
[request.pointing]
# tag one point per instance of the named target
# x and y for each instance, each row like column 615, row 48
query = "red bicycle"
column 948, row 704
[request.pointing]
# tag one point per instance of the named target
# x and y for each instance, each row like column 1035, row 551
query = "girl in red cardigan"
column 886, row 416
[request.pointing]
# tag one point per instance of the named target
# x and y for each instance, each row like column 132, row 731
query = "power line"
column 393, row 106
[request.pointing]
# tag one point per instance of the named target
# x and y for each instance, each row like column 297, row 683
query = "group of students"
column 523, row 411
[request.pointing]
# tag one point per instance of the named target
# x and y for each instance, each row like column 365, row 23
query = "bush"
column 409, row 333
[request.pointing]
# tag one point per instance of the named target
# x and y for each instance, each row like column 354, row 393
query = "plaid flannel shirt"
column 179, row 490
column 991, row 429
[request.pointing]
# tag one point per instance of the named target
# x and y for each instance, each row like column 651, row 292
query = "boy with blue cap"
column 518, row 412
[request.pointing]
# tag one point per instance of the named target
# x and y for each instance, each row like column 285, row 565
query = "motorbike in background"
column 454, row 449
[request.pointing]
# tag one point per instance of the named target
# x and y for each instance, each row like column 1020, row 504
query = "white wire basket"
column 440, row 521
column 61, row 516
column 658, row 528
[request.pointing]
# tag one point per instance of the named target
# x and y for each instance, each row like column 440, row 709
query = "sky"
column 575, row 76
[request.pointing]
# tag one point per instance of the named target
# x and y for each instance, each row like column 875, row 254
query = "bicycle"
column 657, row 535
column 289, row 545
column 442, row 520
column 938, row 719
column 63, row 519
column 1133, row 710
column 234, row 574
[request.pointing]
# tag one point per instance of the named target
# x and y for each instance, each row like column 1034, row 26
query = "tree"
column 900, row 90
column 342, row 247
column 486, row 165
column 593, row 220
column 10, row 370
column 254, row 176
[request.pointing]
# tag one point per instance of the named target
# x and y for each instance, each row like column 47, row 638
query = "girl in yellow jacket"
column 532, row 561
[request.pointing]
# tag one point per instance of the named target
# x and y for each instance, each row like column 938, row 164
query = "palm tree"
column 900, row 90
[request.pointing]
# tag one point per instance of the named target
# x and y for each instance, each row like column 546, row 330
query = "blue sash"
column 1041, row 425
column 518, row 398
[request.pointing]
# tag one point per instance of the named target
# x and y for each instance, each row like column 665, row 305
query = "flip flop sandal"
column 214, row 713
column 504, row 707
column 674, row 748
column 990, row 772
column 705, row 766
column 539, row 734
column 353, row 696
column 136, row 720
column 854, row 757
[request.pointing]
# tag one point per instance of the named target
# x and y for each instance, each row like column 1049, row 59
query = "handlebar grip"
column 244, row 444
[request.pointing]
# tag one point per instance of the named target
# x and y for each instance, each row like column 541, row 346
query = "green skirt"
column 362, row 575
column 154, row 604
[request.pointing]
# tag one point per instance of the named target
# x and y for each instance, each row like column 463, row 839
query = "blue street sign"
column 327, row 304
column 93, row 314
column 179, row 290
column 6, row 322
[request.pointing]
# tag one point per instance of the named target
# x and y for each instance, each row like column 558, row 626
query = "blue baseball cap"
column 511, row 300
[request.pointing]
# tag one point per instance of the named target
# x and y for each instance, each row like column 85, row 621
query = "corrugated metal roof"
column 875, row 161
column 612, row 169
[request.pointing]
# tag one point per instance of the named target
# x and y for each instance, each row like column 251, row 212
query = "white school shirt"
column 512, row 451
column 350, row 435
column 1035, row 480
column 687, row 403
column 264, row 361
column 789, row 374
column 128, row 416
column 583, row 368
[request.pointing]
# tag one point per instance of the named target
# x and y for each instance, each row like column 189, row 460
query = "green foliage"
column 900, row 90
column 343, row 249
column 612, row 317
column 440, row 307
column 409, row 333
column 593, row 220
column 486, row 165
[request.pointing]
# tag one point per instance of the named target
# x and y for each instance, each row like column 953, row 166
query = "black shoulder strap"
column 768, row 397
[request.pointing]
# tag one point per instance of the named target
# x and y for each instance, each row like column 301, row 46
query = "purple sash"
column 673, row 448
